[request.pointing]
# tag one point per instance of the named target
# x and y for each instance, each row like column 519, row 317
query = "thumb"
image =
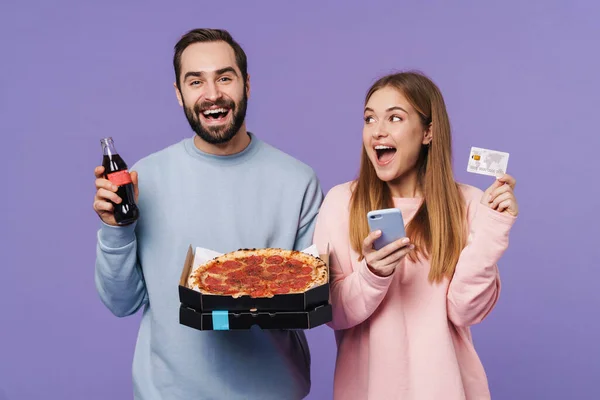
column 134, row 179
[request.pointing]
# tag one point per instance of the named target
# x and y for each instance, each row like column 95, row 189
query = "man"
column 221, row 189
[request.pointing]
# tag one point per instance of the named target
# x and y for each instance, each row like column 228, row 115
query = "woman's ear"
column 428, row 135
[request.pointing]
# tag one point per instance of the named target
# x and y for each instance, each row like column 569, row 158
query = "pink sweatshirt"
column 401, row 337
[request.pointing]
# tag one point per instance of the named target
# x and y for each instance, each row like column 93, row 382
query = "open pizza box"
column 308, row 300
column 284, row 311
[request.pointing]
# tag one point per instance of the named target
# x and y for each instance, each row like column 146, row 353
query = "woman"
column 402, row 313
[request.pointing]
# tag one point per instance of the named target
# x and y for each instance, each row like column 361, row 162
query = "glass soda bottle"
column 116, row 171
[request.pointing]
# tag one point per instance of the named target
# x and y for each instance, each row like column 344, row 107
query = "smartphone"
column 391, row 224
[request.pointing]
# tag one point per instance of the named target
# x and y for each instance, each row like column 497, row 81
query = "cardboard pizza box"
column 232, row 320
column 195, row 300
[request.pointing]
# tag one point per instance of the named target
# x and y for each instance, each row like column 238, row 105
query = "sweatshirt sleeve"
column 313, row 197
column 118, row 275
column 355, row 292
column 475, row 286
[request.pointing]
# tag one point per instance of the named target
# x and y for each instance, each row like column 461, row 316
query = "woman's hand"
column 500, row 196
column 384, row 261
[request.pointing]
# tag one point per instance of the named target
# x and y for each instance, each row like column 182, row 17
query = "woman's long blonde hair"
column 438, row 228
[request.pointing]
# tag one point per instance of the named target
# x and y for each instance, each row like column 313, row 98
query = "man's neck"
column 236, row 145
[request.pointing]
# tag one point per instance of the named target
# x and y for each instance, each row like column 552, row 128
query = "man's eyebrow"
column 193, row 74
column 226, row 69
column 200, row 74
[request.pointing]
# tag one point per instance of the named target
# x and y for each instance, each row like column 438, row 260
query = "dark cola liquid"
column 114, row 170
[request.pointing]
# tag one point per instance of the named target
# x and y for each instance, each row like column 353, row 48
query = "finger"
column 512, row 182
column 102, row 183
column 134, row 179
column 382, row 272
column 500, row 199
column 103, row 194
column 508, row 205
column 491, row 188
column 387, row 265
column 393, row 247
column 102, row 206
column 368, row 242
column 396, row 256
column 498, row 191
column 99, row 172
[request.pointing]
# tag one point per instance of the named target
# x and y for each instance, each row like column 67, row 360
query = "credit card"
column 487, row 162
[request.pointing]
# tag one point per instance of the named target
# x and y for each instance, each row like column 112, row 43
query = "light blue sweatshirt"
column 260, row 197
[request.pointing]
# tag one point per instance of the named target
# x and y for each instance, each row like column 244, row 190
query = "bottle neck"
column 108, row 147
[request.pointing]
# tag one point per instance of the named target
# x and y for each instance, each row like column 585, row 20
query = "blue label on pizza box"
column 220, row 320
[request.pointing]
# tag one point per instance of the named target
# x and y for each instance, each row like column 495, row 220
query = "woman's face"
column 393, row 134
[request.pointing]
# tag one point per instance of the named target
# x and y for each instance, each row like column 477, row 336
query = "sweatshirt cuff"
column 484, row 214
column 376, row 281
column 116, row 236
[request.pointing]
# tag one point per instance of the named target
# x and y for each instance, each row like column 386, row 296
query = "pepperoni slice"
column 231, row 264
column 236, row 274
column 250, row 280
column 299, row 283
column 280, row 287
column 268, row 277
column 275, row 269
column 218, row 289
column 254, row 260
column 281, row 290
column 233, row 282
column 210, row 280
column 254, row 270
column 295, row 271
column 286, row 276
column 274, row 260
column 217, row 269
column 295, row 263
column 306, row 270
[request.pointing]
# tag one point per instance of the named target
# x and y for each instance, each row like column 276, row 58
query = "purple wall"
column 521, row 78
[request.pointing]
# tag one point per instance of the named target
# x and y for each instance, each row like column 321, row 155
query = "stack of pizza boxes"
column 205, row 311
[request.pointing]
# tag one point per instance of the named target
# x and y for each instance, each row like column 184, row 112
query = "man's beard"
column 220, row 134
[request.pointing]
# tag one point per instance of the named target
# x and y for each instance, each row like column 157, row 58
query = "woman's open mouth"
column 385, row 154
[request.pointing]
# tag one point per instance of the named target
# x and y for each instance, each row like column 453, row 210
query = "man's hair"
column 206, row 36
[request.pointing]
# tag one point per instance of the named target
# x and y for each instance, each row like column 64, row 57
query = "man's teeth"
column 384, row 148
column 215, row 111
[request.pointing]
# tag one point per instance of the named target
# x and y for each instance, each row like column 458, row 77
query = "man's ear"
column 248, row 86
column 178, row 94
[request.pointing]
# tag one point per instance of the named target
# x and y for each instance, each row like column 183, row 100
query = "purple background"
column 517, row 77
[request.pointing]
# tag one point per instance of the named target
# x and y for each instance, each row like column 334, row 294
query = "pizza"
column 259, row 273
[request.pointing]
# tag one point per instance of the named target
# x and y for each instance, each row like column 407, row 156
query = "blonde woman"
column 402, row 313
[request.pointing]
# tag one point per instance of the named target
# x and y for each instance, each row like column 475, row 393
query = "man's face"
column 213, row 92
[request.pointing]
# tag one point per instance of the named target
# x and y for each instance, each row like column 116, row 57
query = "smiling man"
column 221, row 189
